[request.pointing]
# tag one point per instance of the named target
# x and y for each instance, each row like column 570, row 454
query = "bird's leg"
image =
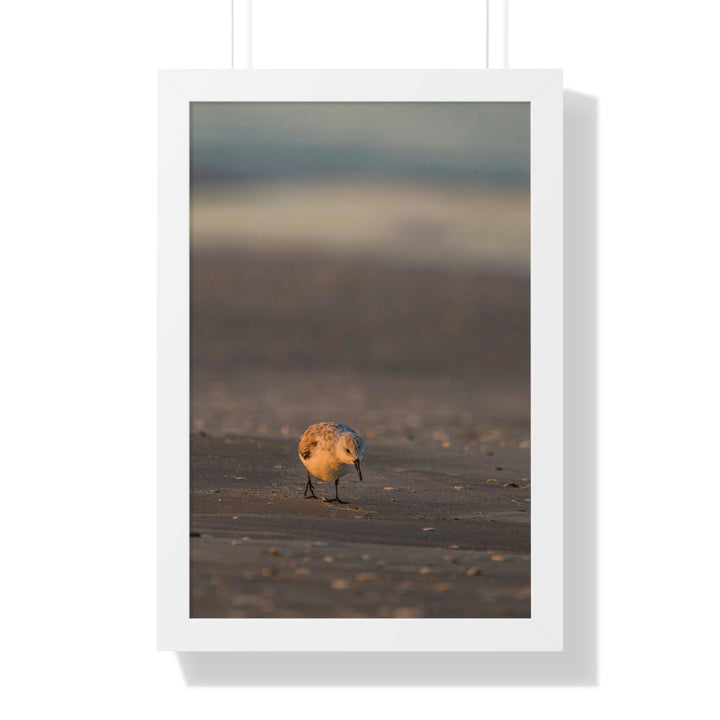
column 310, row 486
column 337, row 498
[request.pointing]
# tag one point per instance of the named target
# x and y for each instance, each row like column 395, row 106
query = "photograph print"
column 360, row 360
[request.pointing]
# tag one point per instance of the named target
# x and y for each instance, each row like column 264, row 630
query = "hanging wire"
column 487, row 34
column 249, row 36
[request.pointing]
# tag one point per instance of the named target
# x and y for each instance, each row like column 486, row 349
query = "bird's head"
column 350, row 450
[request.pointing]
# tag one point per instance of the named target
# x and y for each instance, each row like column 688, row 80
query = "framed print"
column 360, row 361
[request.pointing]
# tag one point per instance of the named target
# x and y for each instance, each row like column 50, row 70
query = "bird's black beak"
column 357, row 467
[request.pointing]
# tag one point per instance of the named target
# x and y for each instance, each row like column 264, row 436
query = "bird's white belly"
column 325, row 467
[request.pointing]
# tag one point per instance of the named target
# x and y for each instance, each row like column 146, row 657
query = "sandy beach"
column 436, row 382
column 424, row 535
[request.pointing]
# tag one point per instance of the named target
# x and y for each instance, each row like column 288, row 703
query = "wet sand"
column 424, row 535
column 431, row 366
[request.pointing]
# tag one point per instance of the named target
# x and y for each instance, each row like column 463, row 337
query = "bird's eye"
column 347, row 450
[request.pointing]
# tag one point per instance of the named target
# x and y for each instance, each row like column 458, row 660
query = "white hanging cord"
column 487, row 34
column 249, row 36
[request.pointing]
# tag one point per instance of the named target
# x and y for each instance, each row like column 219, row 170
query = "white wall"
column 78, row 298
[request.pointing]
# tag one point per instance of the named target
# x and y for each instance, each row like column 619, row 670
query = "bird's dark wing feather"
column 305, row 448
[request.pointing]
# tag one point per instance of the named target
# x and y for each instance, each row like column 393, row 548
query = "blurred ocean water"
column 467, row 143
column 444, row 184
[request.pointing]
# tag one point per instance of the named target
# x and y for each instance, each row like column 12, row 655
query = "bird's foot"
column 337, row 500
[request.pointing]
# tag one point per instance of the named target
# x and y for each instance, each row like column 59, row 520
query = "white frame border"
column 543, row 90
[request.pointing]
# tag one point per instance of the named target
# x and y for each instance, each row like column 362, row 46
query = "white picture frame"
column 543, row 631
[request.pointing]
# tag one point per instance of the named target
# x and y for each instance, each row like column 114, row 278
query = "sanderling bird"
column 328, row 450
